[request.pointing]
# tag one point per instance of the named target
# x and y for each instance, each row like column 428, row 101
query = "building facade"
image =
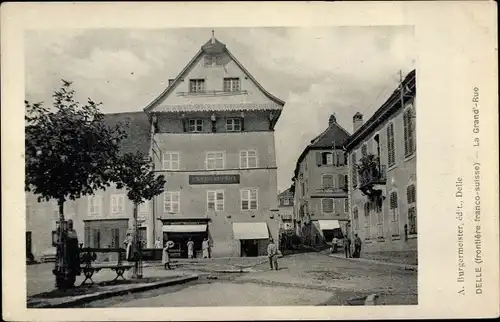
column 214, row 130
column 285, row 210
column 103, row 219
column 320, row 186
column 382, row 173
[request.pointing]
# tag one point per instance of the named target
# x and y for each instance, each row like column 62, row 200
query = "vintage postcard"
column 221, row 161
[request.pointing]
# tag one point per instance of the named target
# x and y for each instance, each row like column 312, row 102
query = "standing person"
column 357, row 246
column 205, row 247
column 128, row 247
column 190, row 246
column 73, row 254
column 347, row 246
column 158, row 243
column 271, row 253
column 335, row 242
column 165, row 258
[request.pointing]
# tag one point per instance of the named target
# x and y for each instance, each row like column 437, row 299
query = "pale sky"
column 316, row 71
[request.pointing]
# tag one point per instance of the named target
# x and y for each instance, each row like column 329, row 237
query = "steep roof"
column 212, row 45
column 334, row 134
column 138, row 131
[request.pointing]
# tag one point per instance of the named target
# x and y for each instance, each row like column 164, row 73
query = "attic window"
column 211, row 59
column 196, row 85
column 231, row 84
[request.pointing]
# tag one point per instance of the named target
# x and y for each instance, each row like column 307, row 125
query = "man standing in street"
column 357, row 246
column 347, row 246
column 190, row 246
column 272, row 254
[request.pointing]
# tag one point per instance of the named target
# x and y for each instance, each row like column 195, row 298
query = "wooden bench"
column 89, row 267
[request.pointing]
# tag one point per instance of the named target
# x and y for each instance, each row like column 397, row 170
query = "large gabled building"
column 214, row 130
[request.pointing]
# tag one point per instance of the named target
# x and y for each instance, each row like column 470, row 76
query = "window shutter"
column 340, row 159
column 341, row 181
column 319, row 158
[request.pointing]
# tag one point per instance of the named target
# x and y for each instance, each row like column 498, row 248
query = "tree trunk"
column 60, row 271
column 137, row 273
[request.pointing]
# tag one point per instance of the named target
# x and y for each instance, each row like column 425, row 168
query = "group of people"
column 357, row 247
column 206, row 250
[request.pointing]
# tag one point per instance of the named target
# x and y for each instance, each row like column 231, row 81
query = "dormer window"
column 233, row 125
column 196, row 85
column 231, row 85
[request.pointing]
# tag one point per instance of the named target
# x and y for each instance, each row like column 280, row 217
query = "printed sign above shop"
column 215, row 179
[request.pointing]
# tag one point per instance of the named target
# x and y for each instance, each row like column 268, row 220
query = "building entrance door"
column 249, row 248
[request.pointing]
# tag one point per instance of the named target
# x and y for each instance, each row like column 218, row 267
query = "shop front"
column 253, row 238
column 181, row 231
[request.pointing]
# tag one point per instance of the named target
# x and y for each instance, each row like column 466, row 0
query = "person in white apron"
column 205, row 247
column 190, row 246
column 128, row 247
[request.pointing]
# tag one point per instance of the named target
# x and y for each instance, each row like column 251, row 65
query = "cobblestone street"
column 303, row 279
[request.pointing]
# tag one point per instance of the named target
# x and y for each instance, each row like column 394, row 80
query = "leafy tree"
column 69, row 150
column 135, row 173
column 69, row 153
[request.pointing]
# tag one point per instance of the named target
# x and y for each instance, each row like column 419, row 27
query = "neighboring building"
column 103, row 219
column 321, row 204
column 285, row 210
column 214, row 128
column 382, row 167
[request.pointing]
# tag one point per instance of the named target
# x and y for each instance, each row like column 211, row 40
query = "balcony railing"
column 373, row 175
column 213, row 93
column 331, row 190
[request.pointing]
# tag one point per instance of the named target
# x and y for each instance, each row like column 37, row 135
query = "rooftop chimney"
column 332, row 120
column 357, row 121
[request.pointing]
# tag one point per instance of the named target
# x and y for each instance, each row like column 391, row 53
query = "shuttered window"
column 354, row 173
column 346, row 205
column 411, row 198
column 411, row 194
column 327, row 181
column 356, row 220
column 408, row 132
column 327, row 206
column 391, row 149
column 341, row 179
column 394, row 211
